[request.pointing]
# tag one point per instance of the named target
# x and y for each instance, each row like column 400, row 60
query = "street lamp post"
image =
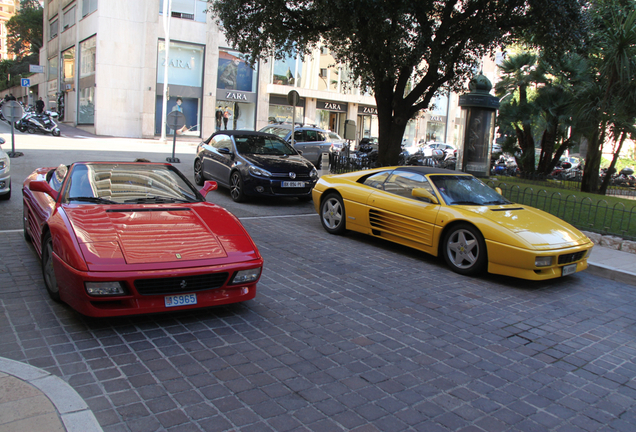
column 167, row 8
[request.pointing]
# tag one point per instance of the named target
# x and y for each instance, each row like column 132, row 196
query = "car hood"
column 538, row 229
column 279, row 164
column 159, row 236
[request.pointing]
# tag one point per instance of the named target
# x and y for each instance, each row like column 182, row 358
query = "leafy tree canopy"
column 24, row 30
column 403, row 51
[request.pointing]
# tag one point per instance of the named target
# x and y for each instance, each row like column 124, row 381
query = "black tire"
column 27, row 237
column 464, row 250
column 304, row 198
column 7, row 196
column 31, row 130
column 198, row 173
column 48, row 273
column 236, row 187
column 56, row 132
column 332, row 214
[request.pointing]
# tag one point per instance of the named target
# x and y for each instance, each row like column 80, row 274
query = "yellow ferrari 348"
column 455, row 215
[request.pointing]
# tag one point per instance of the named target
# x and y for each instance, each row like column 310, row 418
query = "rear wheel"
column 464, row 250
column 31, row 130
column 198, row 173
column 332, row 214
column 48, row 272
column 236, row 187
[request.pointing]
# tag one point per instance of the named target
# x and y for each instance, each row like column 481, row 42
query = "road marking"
column 11, row 231
column 275, row 217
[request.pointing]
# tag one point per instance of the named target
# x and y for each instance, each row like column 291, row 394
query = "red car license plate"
column 180, row 300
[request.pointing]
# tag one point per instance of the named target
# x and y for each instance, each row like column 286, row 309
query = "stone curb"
column 612, row 273
column 72, row 409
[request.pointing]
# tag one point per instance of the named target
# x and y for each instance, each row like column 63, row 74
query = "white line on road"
column 274, row 217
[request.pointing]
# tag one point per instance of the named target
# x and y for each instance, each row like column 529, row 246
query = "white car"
column 5, row 174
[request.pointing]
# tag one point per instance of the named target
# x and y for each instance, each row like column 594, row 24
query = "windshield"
column 114, row 183
column 466, row 190
column 278, row 131
column 263, row 145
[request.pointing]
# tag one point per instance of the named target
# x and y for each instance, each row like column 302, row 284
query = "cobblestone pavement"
column 346, row 333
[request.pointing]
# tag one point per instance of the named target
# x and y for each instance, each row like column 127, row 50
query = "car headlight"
column 259, row 172
column 543, row 261
column 246, row 276
column 104, row 288
column 4, row 162
column 313, row 173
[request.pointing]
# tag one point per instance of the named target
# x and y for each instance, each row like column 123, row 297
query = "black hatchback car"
column 254, row 164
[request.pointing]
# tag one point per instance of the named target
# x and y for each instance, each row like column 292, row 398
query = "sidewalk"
column 33, row 400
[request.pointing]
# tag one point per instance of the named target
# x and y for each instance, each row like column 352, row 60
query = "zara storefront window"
column 236, row 87
column 185, row 84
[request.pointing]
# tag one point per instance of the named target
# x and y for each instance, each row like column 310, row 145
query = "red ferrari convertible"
column 125, row 238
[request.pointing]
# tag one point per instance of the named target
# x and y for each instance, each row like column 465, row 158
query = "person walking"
column 39, row 106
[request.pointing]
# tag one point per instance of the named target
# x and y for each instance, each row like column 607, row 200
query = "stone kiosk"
column 477, row 127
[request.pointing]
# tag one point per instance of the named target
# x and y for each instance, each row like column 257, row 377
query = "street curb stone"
column 73, row 411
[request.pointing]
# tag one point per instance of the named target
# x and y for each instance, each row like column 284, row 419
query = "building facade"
column 105, row 70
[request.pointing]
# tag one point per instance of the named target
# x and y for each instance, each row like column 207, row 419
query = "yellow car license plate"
column 568, row 269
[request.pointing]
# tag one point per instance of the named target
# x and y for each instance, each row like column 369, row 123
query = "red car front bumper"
column 73, row 292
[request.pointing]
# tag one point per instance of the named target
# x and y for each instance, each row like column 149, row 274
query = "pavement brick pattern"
column 346, row 333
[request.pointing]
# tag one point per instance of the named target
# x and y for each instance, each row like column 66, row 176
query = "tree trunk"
column 526, row 142
column 548, row 142
column 391, row 126
column 589, row 182
column 612, row 167
column 557, row 155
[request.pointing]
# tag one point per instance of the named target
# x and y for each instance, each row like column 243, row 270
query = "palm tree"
column 519, row 73
column 614, row 89
column 554, row 102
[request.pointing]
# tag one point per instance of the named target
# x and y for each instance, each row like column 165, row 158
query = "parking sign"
column 25, row 82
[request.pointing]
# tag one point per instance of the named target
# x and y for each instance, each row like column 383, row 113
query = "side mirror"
column 1, row 140
column 224, row 150
column 208, row 186
column 42, row 186
column 423, row 193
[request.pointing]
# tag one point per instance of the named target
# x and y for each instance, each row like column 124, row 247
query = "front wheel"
column 198, row 173
column 55, row 132
column 48, row 272
column 31, row 130
column 236, row 187
column 464, row 250
column 332, row 214
column 25, row 221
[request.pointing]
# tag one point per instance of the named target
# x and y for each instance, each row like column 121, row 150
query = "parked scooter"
column 44, row 123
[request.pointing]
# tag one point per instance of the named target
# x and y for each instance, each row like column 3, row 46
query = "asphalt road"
column 345, row 333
